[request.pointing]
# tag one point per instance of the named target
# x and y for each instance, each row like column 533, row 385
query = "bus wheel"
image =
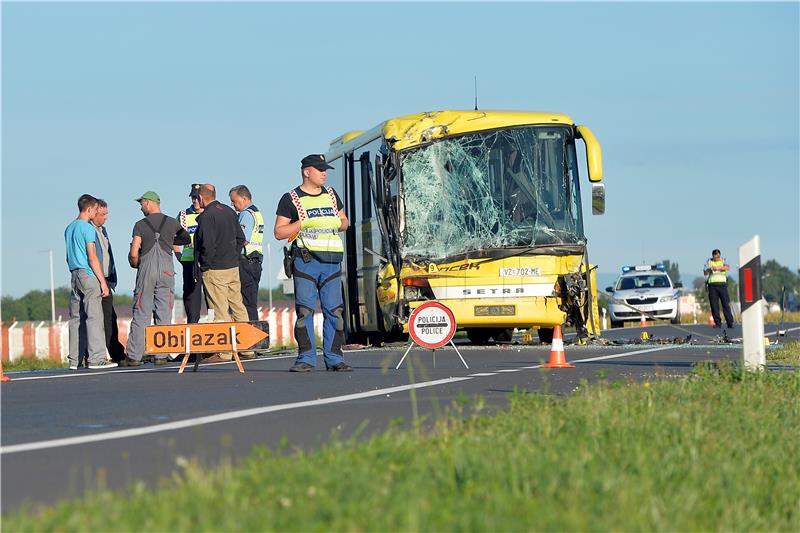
column 615, row 324
column 375, row 338
column 503, row 335
column 545, row 335
column 479, row 335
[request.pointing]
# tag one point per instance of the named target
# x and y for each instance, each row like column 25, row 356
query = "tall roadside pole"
column 52, row 291
column 752, row 310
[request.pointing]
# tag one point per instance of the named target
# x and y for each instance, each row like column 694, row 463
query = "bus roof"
column 412, row 130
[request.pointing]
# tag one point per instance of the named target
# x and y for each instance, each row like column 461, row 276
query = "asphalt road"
column 64, row 431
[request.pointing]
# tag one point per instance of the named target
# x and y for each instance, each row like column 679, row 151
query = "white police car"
column 643, row 289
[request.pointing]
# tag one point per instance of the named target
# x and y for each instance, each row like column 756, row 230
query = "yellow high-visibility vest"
column 188, row 221
column 256, row 238
column 717, row 276
column 321, row 211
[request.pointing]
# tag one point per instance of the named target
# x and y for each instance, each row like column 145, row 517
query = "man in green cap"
column 156, row 238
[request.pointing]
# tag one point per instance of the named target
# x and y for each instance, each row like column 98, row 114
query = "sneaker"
column 301, row 367
column 216, row 358
column 247, row 355
column 160, row 361
column 103, row 365
column 73, row 366
column 340, row 367
column 130, row 362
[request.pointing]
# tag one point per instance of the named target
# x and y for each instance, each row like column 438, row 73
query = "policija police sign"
column 431, row 325
column 207, row 338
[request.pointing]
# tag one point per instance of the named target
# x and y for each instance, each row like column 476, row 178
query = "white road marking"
column 221, row 417
column 232, row 415
column 510, row 370
column 483, row 374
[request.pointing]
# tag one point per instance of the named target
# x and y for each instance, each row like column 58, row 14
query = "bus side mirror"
column 598, row 198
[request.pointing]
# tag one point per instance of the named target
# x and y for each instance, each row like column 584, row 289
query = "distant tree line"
column 35, row 305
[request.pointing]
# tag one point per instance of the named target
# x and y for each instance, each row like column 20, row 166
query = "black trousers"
column 192, row 293
column 115, row 348
column 719, row 292
column 250, row 277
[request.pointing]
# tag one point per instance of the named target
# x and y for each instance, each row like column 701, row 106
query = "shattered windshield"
column 512, row 187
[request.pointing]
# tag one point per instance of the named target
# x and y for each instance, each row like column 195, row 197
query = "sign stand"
column 433, row 351
column 186, row 355
column 431, row 325
column 234, row 351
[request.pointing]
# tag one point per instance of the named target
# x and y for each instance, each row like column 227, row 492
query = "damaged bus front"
column 478, row 210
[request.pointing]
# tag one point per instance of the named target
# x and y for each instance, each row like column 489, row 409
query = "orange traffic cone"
column 557, row 357
column 643, row 321
column 3, row 377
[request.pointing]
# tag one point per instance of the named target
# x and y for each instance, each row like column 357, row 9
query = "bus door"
column 349, row 265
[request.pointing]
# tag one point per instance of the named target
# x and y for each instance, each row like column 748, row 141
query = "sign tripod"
column 432, row 325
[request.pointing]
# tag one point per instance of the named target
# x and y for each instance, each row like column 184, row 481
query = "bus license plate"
column 522, row 271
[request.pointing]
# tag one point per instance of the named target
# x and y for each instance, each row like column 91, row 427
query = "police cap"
column 315, row 160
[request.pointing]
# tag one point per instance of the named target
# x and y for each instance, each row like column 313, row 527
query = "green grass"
column 785, row 353
column 714, row 452
column 30, row 362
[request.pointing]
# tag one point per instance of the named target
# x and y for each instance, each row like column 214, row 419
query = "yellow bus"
column 479, row 210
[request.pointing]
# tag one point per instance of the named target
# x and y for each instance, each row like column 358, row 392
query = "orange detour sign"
column 207, row 338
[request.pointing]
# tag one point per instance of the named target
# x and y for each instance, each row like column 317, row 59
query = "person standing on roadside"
column 717, row 269
column 192, row 284
column 218, row 242
column 88, row 287
column 106, row 257
column 311, row 217
column 252, row 222
column 155, row 238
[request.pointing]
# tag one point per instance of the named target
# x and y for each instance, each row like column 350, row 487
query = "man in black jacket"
column 218, row 243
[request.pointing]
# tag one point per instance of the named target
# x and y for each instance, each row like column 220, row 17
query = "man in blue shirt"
column 88, row 287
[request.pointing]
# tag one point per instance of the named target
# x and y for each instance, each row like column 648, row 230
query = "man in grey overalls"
column 155, row 239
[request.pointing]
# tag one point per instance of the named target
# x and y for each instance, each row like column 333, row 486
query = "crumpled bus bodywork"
column 478, row 210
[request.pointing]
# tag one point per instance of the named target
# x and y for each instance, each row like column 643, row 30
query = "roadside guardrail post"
column 752, row 310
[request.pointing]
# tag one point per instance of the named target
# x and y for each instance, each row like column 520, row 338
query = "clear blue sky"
column 695, row 105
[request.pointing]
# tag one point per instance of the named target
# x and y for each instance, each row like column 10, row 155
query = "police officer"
column 310, row 217
column 252, row 222
column 717, row 271
column 192, row 283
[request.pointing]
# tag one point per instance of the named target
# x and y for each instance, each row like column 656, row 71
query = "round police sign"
column 432, row 325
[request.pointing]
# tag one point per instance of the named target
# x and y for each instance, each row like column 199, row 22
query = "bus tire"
column 479, row 336
column 615, row 324
column 545, row 335
column 503, row 335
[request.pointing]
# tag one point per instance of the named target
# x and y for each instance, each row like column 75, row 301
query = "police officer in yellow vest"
column 192, row 284
column 717, row 271
column 310, row 217
column 252, row 223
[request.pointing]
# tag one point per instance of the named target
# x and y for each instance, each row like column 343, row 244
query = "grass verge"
column 785, row 353
column 717, row 451
column 30, row 362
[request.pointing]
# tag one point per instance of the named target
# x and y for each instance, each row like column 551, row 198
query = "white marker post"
column 752, row 310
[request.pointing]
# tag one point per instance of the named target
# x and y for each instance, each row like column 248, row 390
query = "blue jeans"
column 312, row 280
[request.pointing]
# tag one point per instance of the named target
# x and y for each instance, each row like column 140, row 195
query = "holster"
column 288, row 260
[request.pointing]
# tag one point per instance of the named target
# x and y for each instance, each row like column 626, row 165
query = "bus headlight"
column 416, row 289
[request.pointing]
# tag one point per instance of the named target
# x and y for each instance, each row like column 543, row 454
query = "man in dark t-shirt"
column 310, row 217
column 155, row 239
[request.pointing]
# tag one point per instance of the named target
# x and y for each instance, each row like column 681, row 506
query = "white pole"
column 52, row 292
column 752, row 310
column 269, row 266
